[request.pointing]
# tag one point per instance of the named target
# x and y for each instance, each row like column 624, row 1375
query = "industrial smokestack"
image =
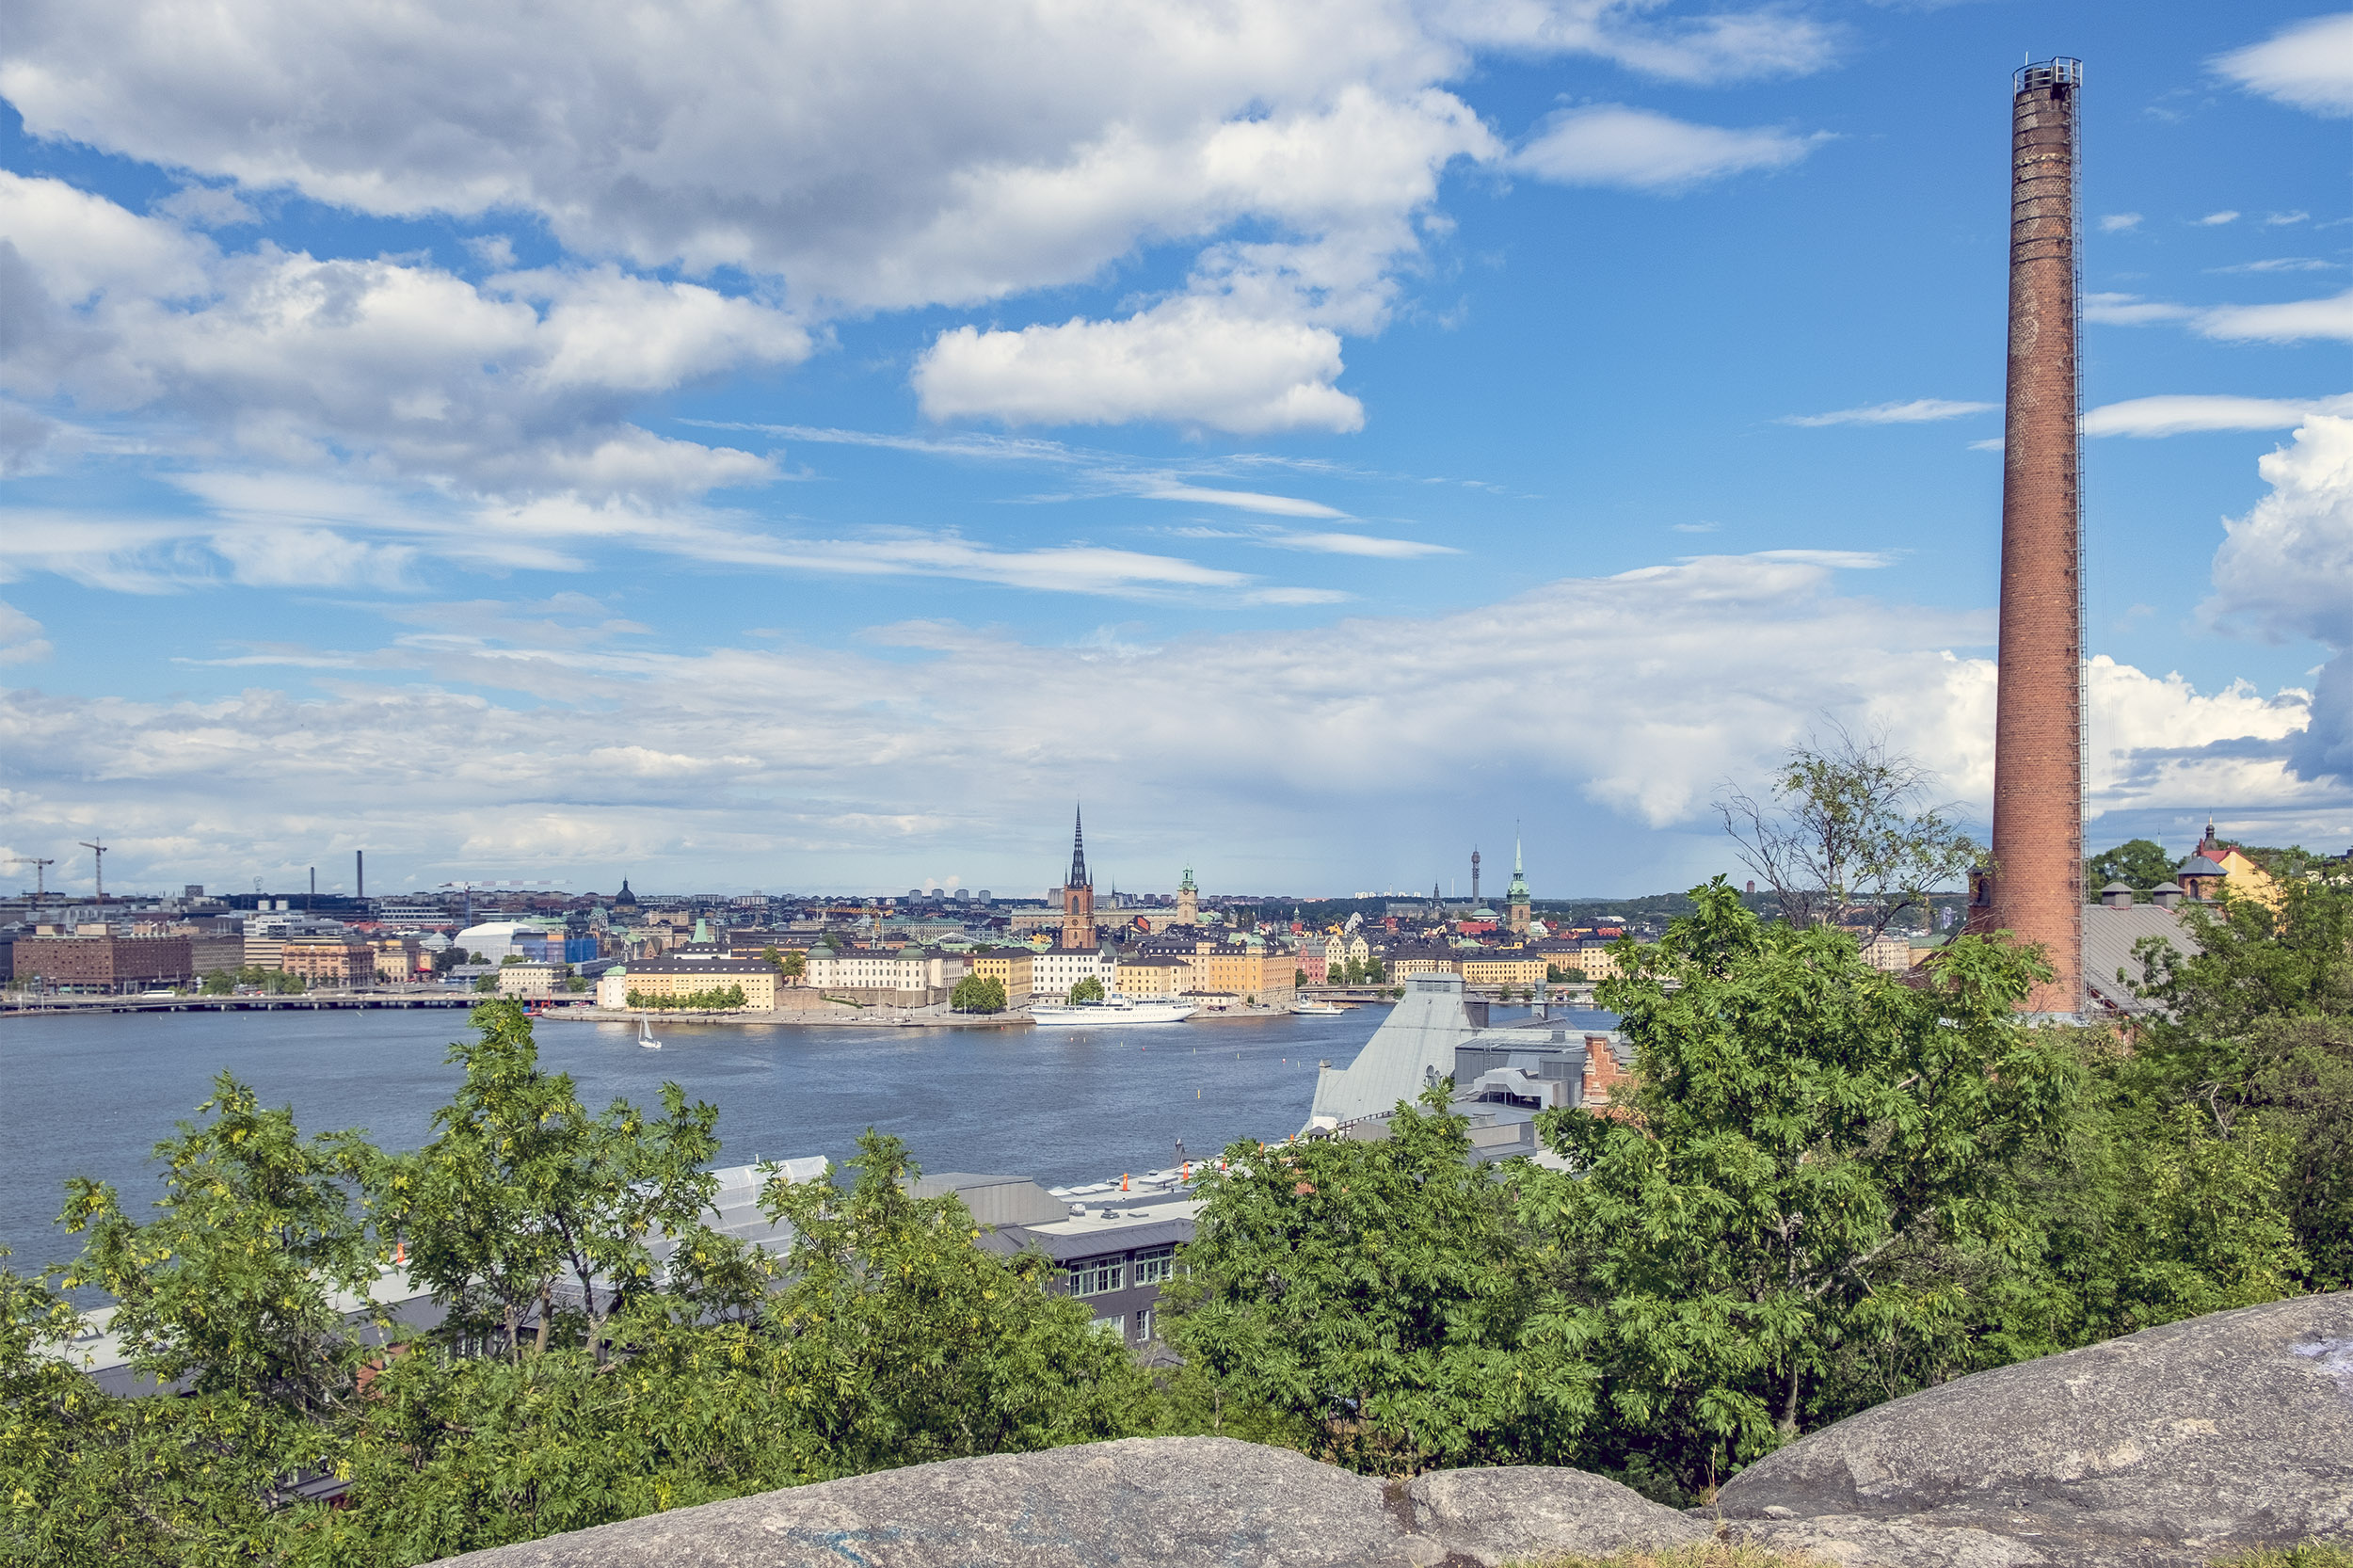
column 360, row 873
column 2039, row 718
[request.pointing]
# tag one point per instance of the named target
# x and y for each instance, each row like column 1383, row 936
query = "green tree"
column 2141, row 864
column 2255, row 1027
column 1088, row 989
column 1847, row 835
column 486, row 985
column 1298, row 980
column 1369, row 1298
column 217, row 983
column 901, row 1342
column 522, row 1188
column 978, row 994
column 1375, row 972
column 1803, row 1128
column 227, row 1286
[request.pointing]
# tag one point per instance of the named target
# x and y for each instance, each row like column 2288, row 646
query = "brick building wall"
column 105, row 964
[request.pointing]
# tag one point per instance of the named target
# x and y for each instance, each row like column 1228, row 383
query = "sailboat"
column 645, row 1034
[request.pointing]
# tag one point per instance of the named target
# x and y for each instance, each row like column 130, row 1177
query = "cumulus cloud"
column 1189, row 361
column 2309, row 65
column 1354, row 732
column 2182, row 414
column 1920, row 411
column 2215, row 221
column 1609, row 144
column 520, row 385
column 2120, row 223
column 2285, row 572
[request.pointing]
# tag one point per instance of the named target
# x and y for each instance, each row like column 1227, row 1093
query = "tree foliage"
column 2255, row 1027
column 2141, row 864
column 1088, row 989
column 978, row 994
column 1366, row 1296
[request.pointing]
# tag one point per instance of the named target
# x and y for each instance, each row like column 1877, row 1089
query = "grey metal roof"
column 2109, row 938
column 1105, row 1242
column 995, row 1200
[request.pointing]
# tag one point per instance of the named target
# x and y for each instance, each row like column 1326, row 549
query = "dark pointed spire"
column 1077, row 850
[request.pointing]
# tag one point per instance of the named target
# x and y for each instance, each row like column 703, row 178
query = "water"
column 90, row 1095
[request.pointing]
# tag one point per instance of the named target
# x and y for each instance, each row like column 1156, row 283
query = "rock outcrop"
column 1144, row 1502
column 2174, row 1445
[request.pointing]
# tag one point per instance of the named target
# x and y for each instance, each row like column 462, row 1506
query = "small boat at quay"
column 1314, row 1009
column 1113, row 1011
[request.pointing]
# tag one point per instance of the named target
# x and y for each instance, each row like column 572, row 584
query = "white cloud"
column 1612, row 145
column 1356, row 731
column 2130, row 309
column 2285, row 572
column 2215, row 221
column 2281, row 264
column 21, row 641
column 1187, row 360
column 1359, row 544
column 2278, row 220
column 1726, row 46
column 2308, row 64
column 1920, row 411
column 2181, row 414
column 518, row 386
column 1247, row 501
column 2118, row 223
column 2292, row 322
column 928, row 154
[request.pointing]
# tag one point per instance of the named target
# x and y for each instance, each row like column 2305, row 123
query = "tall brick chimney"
column 2039, row 716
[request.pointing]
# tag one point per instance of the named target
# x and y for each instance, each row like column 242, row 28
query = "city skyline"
column 1329, row 442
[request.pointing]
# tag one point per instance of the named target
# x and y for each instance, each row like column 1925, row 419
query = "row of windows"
column 1153, row 1266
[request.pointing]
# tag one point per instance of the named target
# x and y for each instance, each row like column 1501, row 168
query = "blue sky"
column 808, row 449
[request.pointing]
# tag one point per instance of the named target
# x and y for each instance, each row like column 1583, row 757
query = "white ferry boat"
column 1113, row 1011
column 1316, row 1009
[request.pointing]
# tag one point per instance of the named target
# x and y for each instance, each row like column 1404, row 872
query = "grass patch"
column 1704, row 1553
column 2304, row 1554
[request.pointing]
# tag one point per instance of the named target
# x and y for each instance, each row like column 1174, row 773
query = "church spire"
column 1079, row 850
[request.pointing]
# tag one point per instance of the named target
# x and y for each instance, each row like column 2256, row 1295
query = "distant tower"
column 1188, row 902
column 1516, row 895
column 2039, row 719
column 1474, row 879
column 1077, row 893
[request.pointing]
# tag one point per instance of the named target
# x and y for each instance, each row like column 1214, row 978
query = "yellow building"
column 1507, row 966
column 1010, row 967
column 1152, row 977
column 1245, row 971
column 2241, row 877
column 336, row 961
column 681, row 977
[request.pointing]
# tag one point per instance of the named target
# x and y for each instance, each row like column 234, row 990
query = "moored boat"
column 1111, row 1012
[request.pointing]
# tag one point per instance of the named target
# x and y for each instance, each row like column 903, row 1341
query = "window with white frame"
column 1144, row 1323
column 1098, row 1278
column 1116, row 1327
column 1155, row 1265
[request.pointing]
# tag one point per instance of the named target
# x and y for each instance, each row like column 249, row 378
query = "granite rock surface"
column 2174, row 1445
column 1522, row 1512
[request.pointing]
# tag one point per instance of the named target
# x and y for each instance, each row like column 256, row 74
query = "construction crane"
column 40, row 871
column 99, row 850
